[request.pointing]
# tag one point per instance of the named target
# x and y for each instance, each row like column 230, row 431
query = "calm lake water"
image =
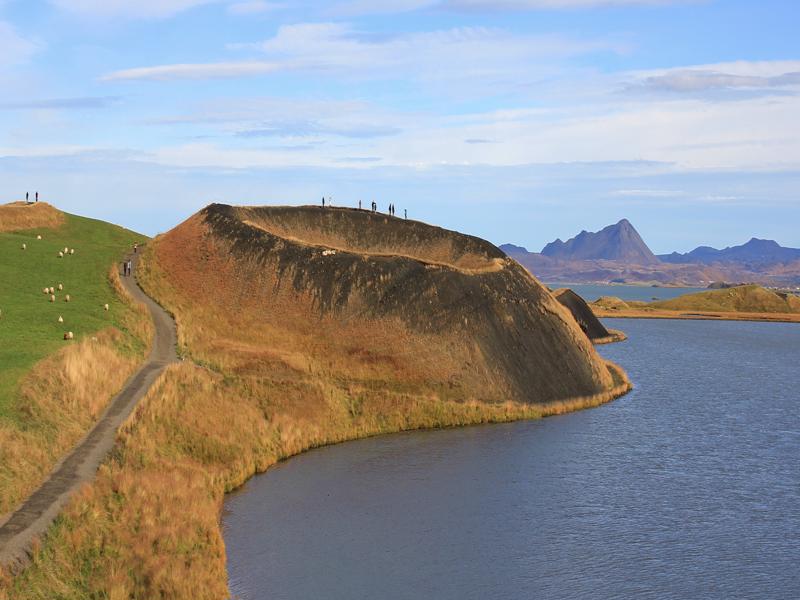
column 689, row 487
column 591, row 292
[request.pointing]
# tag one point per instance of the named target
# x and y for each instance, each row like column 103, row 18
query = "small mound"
column 745, row 298
column 610, row 303
column 584, row 316
column 369, row 306
column 19, row 216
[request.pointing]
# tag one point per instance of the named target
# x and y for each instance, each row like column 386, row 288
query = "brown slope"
column 370, row 302
column 583, row 315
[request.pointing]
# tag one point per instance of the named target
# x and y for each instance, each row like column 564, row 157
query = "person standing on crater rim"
column 37, row 196
column 27, row 196
column 323, row 202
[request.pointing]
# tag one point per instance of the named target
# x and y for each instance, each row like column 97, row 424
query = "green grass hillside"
column 744, row 298
column 29, row 327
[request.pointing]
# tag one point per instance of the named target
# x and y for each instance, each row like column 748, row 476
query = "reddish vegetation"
column 491, row 335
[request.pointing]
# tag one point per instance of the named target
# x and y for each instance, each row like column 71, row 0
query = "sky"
column 515, row 120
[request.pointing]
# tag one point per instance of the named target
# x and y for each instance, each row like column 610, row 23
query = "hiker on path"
column 130, row 267
column 37, row 196
column 136, row 248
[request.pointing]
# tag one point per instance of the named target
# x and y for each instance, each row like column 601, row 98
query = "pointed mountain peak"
column 618, row 242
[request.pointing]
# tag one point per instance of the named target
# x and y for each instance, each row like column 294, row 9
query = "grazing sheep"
column 105, row 306
column 66, row 298
column 52, row 290
column 60, row 287
column 52, row 298
column 60, row 255
column 24, row 246
column 66, row 250
column 46, row 290
column 72, row 250
column 60, row 319
column 69, row 335
column 38, row 237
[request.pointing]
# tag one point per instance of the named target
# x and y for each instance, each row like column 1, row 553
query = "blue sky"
column 515, row 120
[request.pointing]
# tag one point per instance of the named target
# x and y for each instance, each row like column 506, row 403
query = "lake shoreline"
column 696, row 315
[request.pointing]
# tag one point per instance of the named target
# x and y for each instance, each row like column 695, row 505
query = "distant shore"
column 654, row 313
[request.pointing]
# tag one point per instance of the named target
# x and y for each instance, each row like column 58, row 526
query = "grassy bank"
column 741, row 303
column 148, row 527
column 52, row 390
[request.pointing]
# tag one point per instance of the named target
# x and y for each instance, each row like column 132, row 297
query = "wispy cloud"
column 314, row 128
column 129, row 9
column 253, row 7
column 83, row 103
column 648, row 193
column 362, row 7
column 464, row 53
column 14, row 48
column 552, row 4
column 194, row 71
column 700, row 81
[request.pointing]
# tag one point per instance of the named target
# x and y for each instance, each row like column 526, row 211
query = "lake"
column 688, row 487
column 591, row 291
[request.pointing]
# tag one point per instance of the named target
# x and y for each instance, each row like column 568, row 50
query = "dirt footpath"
column 37, row 512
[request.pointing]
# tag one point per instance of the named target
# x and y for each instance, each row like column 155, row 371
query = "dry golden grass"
column 19, row 216
column 264, row 390
column 58, row 401
column 148, row 528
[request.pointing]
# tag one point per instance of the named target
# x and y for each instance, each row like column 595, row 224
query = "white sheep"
column 66, row 250
column 52, row 290
column 60, row 255
column 24, row 246
column 66, row 298
column 60, row 287
column 105, row 306
column 72, row 250
column 52, row 298
column 38, row 237
column 46, row 290
column 60, row 319
column 69, row 335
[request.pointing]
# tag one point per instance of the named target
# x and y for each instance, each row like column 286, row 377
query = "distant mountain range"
column 754, row 252
column 618, row 254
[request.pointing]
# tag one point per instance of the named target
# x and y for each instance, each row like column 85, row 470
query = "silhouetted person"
column 135, row 248
column 405, row 213
column 323, row 202
column 359, row 205
column 37, row 196
column 27, row 195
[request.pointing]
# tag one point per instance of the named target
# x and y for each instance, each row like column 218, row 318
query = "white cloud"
column 193, row 71
column 720, row 76
column 129, row 9
column 14, row 49
column 474, row 54
column 253, row 7
column 552, row 4
column 364, row 7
